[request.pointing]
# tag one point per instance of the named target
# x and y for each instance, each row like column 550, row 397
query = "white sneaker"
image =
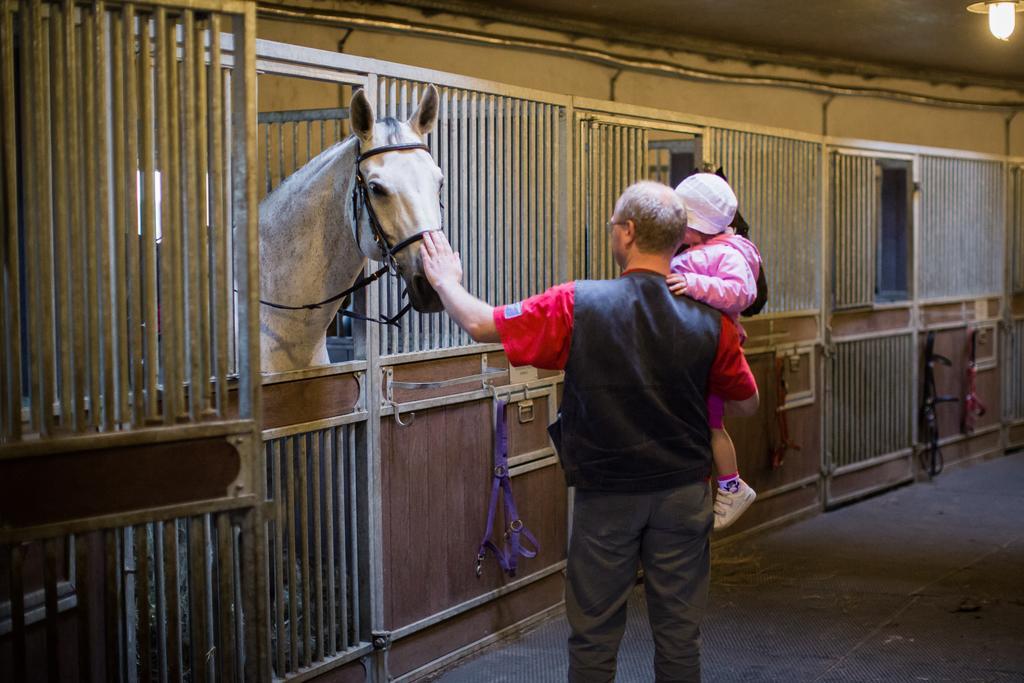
column 729, row 506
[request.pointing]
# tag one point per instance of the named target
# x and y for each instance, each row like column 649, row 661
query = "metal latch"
column 381, row 640
column 526, row 413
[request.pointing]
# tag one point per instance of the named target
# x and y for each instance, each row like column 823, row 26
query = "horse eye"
column 378, row 190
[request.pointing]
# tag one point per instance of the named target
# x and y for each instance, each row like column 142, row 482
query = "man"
column 632, row 433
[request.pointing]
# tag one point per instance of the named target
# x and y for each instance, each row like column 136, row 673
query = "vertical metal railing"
column 317, row 594
column 1017, row 228
column 609, row 157
column 290, row 139
column 869, row 411
column 962, row 227
column 117, row 248
column 778, row 183
column 1013, row 372
column 499, row 155
column 855, row 213
column 126, row 144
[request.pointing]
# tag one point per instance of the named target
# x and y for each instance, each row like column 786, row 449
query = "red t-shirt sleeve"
column 731, row 377
column 538, row 331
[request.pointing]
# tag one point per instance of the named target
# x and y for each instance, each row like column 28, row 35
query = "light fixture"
column 1001, row 15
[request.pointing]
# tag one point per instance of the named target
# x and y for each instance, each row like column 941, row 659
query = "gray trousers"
column 667, row 533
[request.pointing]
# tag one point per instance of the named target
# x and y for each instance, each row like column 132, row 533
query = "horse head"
column 401, row 190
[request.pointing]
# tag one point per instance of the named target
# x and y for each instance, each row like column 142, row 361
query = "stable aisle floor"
column 924, row 583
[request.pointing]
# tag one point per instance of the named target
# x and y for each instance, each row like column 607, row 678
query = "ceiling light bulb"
column 1001, row 19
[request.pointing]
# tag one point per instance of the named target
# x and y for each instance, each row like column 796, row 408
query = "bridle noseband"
column 361, row 196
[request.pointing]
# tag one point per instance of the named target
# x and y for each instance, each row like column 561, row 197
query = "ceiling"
column 930, row 39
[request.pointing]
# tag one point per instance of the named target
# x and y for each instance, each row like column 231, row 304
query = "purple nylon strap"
column 509, row 553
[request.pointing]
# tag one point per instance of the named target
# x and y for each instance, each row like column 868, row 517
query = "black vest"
column 634, row 410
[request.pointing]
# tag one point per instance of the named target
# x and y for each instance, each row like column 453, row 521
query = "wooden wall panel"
column 863, row 322
column 305, row 400
column 754, row 437
column 436, row 482
column 422, row 648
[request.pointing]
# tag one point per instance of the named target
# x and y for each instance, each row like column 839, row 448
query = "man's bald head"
column 657, row 212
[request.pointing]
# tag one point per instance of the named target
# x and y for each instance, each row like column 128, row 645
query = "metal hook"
column 398, row 418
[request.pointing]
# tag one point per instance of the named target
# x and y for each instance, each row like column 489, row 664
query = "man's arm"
column 443, row 269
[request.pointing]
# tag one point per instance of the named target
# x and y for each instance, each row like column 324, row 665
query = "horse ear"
column 361, row 113
column 423, row 121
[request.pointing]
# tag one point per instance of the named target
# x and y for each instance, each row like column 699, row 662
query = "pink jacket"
column 722, row 272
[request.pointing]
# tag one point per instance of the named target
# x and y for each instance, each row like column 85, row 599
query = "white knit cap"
column 710, row 203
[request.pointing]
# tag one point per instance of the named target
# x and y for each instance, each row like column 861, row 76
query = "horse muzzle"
column 423, row 297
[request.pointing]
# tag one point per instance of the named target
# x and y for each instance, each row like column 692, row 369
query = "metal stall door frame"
column 318, row 436
column 504, row 151
column 611, row 151
column 869, row 435
column 429, row 366
column 130, row 475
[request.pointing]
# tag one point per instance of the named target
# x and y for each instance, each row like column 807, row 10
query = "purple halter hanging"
column 508, row 554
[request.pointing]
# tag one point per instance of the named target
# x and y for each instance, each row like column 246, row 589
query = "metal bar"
column 329, row 454
column 145, row 641
column 202, row 211
column 123, row 285
column 175, row 237
column 276, row 452
column 150, row 319
column 192, row 222
column 490, row 372
column 132, row 179
column 84, row 609
column 304, row 558
column 159, row 589
column 105, row 287
column 225, row 573
column 341, row 472
column 165, row 320
column 353, row 499
column 11, row 315
column 52, row 614
column 61, row 218
column 89, row 229
column 171, row 600
column 221, row 289
column 197, row 613
column 112, row 646
column 30, row 238
column 288, row 455
column 316, row 565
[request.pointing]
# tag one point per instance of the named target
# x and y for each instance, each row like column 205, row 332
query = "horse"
column 369, row 196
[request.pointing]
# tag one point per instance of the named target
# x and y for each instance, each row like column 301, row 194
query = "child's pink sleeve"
column 731, row 289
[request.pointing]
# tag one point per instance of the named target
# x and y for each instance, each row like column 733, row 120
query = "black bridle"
column 361, row 197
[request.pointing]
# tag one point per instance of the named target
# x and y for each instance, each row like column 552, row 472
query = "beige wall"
column 855, row 117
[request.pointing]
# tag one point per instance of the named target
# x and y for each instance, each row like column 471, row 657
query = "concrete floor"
column 924, row 583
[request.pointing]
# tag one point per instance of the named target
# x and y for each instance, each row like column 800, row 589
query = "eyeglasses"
column 609, row 224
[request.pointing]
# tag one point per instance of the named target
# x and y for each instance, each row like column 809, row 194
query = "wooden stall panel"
column 770, row 332
column 756, row 438
column 446, row 369
column 527, row 426
column 62, row 487
column 952, row 380
column 865, row 322
column 470, row 627
column 305, row 400
column 436, row 479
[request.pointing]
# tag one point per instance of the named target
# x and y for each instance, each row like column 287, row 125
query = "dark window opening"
column 894, row 232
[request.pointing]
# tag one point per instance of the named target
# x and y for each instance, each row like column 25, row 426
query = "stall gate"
column 129, row 519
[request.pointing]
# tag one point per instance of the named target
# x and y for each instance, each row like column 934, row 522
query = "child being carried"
column 721, row 269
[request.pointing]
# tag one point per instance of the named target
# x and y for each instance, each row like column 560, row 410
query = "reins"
column 360, row 197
